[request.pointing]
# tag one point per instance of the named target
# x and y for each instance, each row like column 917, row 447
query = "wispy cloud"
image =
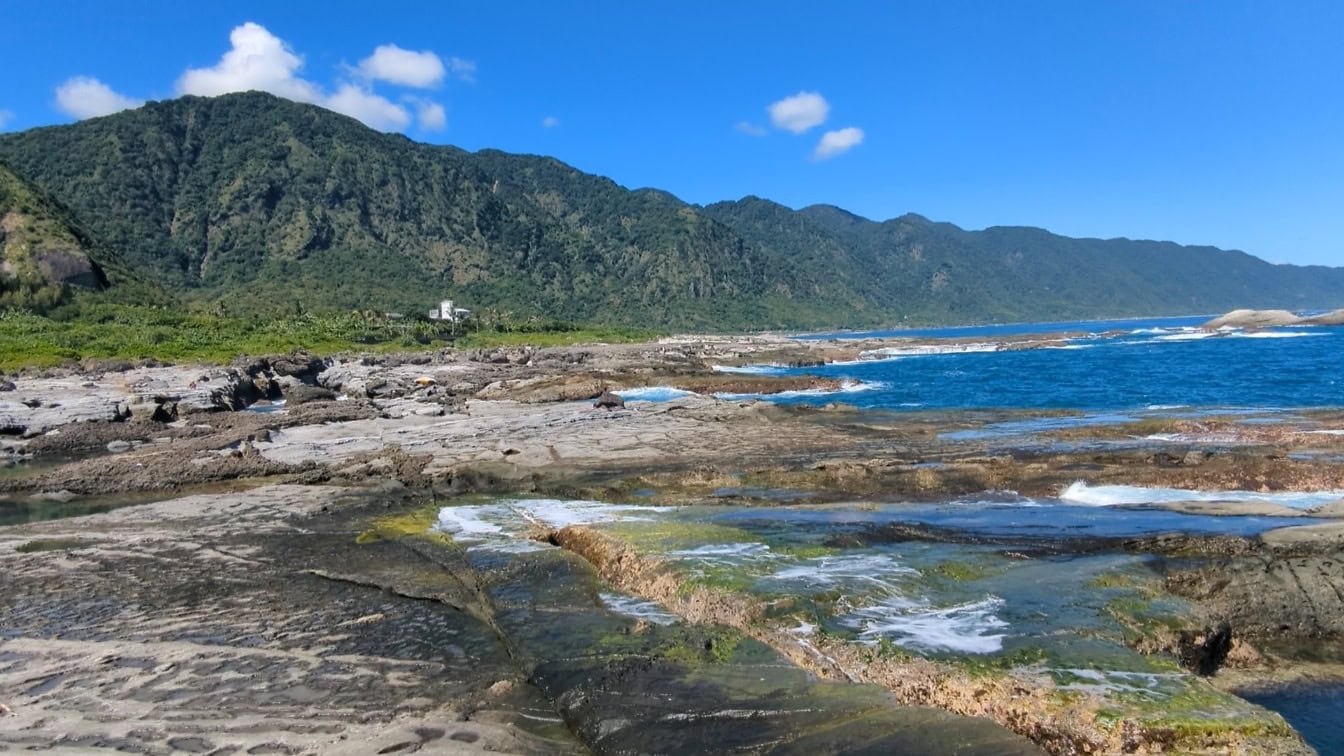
column 751, row 129
column 836, row 142
column 799, row 112
column 431, row 115
column 5, row 117
column 407, row 68
column 550, row 122
column 462, row 69
column 85, row 97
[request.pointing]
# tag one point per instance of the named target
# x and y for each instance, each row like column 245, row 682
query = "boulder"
column 303, row 394
column 1332, row 318
column 1254, row 319
column 609, row 401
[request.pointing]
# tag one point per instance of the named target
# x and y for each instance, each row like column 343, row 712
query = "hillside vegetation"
column 248, row 203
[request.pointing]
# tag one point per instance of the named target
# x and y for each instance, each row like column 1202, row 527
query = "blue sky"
column 1200, row 122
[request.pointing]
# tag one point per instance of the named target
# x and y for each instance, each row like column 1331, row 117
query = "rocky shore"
column 282, row 590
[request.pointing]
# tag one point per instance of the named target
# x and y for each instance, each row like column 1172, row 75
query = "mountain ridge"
column 249, row 200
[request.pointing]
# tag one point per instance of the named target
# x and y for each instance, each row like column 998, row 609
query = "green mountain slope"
column 257, row 203
column 250, row 198
column 43, row 253
column 937, row 272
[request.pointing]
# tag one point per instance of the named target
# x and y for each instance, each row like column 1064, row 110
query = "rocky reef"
column 458, row 552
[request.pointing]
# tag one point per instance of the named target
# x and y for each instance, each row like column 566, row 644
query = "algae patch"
column 415, row 523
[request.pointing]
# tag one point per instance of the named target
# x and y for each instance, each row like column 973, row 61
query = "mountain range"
column 255, row 203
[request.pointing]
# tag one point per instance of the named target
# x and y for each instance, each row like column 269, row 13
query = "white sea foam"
column 725, row 553
column 846, row 387
column 1188, row 336
column 653, row 394
column 921, row 350
column 1110, row 682
column 847, row 570
column 638, row 608
column 1330, row 432
column 964, row 628
column 1110, row 496
column 764, row 369
column 505, row 525
column 1277, row 334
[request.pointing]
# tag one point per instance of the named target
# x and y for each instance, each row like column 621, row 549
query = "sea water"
column 1165, row 364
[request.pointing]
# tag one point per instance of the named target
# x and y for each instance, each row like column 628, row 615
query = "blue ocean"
column 1110, row 371
column 1115, row 366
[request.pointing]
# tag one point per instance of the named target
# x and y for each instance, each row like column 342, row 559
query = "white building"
column 446, row 311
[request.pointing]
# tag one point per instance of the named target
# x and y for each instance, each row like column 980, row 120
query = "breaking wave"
column 1112, row 496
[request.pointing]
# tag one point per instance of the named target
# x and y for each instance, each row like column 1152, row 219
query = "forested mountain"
column 43, row 252
column 257, row 202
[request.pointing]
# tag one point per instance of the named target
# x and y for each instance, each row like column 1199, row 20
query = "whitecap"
column 846, row 387
column 1277, row 334
column 1190, row 336
column 1080, row 492
column 963, row 628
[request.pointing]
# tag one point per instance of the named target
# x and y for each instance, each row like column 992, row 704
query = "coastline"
column 417, row 431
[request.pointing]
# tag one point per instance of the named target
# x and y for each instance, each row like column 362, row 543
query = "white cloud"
column 408, row 68
column 462, row 69
column 751, row 129
column 5, row 117
column 374, row 110
column 799, row 112
column 257, row 60
column 86, row 97
column 550, row 122
column 835, row 142
column 431, row 115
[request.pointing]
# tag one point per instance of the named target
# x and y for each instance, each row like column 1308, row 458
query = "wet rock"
column 6, row 385
column 609, row 401
column 298, row 365
column 303, row 394
column 1205, row 652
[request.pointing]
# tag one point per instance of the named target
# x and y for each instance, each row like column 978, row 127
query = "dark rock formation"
column 609, row 401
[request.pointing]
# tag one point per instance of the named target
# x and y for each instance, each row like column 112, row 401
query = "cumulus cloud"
column 431, row 115
column 374, row 110
column 463, row 70
column 799, row 112
column 408, row 68
column 751, row 129
column 86, row 97
column 5, row 117
column 257, row 60
column 550, row 122
column 835, row 142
